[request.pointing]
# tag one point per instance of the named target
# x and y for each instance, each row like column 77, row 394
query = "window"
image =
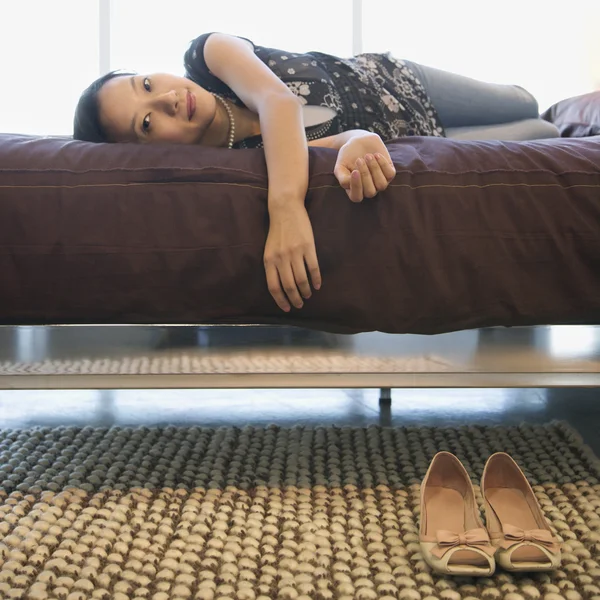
column 146, row 38
column 521, row 42
column 49, row 55
column 51, row 48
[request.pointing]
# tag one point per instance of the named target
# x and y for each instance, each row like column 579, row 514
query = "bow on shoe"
column 446, row 540
column 514, row 535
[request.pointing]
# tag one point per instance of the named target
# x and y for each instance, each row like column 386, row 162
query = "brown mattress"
column 470, row 234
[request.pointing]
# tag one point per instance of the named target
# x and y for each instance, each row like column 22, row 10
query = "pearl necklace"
column 231, row 121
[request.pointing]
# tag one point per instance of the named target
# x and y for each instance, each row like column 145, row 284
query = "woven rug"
column 261, row 513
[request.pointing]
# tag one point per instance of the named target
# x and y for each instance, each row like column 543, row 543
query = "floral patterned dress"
column 376, row 92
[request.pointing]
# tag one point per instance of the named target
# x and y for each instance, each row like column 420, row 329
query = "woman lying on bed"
column 238, row 95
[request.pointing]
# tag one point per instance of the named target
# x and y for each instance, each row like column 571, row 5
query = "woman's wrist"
column 285, row 202
column 355, row 134
column 339, row 139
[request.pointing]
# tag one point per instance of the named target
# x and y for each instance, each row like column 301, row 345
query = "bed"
column 471, row 234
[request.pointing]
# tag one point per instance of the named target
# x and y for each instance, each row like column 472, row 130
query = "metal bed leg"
column 385, row 407
column 385, row 396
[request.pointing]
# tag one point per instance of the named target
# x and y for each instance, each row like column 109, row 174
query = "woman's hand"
column 289, row 252
column 364, row 167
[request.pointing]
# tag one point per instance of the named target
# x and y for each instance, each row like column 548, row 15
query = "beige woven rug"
column 268, row 513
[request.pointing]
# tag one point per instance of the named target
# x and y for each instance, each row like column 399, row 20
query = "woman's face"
column 155, row 108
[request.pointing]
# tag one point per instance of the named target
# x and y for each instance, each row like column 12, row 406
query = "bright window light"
column 148, row 38
column 572, row 341
column 49, row 55
column 515, row 42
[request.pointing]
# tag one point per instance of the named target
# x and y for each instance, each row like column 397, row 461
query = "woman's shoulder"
column 195, row 50
column 198, row 43
column 195, row 63
column 196, row 68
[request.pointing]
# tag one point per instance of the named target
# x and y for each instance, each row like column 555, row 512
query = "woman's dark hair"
column 86, row 124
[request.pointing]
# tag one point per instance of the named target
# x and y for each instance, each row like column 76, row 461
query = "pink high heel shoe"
column 518, row 529
column 452, row 537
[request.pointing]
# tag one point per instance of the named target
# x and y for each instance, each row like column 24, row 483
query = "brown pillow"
column 576, row 117
column 469, row 234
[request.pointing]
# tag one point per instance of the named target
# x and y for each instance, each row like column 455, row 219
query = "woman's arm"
column 290, row 243
column 233, row 61
column 338, row 140
column 364, row 166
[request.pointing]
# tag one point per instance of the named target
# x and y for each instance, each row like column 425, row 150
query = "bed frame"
column 205, row 356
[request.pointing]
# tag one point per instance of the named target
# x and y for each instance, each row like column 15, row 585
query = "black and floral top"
column 376, row 92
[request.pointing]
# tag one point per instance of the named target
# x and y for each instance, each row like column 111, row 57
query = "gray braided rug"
column 261, row 513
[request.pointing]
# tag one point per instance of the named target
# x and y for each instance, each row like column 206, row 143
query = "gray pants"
column 472, row 109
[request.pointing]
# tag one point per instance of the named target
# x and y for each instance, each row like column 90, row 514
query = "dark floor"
column 354, row 407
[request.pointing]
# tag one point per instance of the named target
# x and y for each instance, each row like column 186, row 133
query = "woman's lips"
column 191, row 105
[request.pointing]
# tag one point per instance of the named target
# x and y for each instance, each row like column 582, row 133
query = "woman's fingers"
column 364, row 167
column 301, row 277
column 275, row 289
column 387, row 167
column 379, row 179
column 372, row 174
column 282, row 284
column 355, row 193
column 343, row 177
column 288, row 282
column 312, row 264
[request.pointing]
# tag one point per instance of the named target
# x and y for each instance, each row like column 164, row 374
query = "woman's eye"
column 146, row 84
column 146, row 124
